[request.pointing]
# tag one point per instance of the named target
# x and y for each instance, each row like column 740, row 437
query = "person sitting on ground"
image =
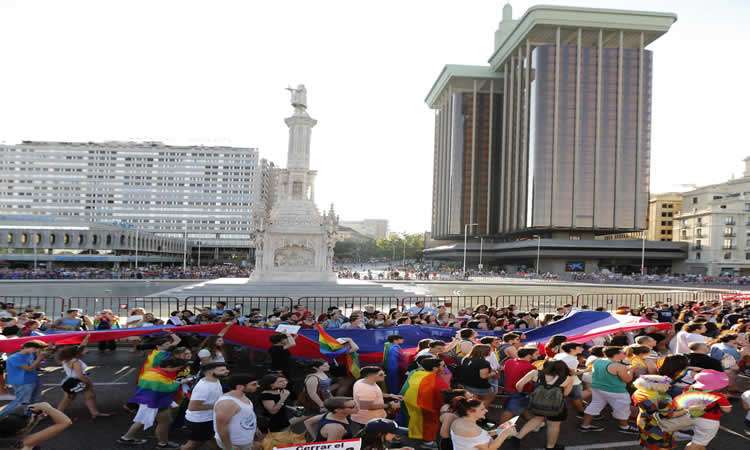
column 19, row 424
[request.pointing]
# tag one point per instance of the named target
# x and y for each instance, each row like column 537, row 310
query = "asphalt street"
column 114, row 376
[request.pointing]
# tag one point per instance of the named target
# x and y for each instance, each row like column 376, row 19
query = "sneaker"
column 542, row 425
column 630, row 429
column 169, row 444
column 132, row 441
column 583, row 429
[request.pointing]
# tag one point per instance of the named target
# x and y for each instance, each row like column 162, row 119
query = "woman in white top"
column 212, row 348
column 466, row 434
column 75, row 380
column 553, row 371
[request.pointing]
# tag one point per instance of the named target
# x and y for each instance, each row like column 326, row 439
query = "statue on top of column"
column 299, row 96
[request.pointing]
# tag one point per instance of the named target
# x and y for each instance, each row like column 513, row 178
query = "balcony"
column 697, row 247
column 728, row 247
column 732, row 234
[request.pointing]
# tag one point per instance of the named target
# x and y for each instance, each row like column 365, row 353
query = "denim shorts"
column 576, row 393
column 479, row 391
column 517, row 403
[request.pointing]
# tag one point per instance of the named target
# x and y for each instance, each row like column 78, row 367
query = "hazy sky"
column 214, row 72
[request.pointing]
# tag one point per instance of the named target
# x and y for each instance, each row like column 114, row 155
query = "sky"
column 214, row 73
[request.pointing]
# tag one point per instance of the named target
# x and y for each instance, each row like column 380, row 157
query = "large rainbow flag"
column 152, row 360
column 156, row 388
column 331, row 349
column 422, row 401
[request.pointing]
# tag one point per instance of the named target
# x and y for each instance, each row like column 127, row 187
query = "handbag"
column 673, row 424
column 303, row 399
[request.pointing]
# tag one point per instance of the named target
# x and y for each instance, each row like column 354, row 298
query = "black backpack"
column 547, row 400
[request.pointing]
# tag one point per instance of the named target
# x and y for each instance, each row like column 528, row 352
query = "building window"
column 718, row 197
column 700, row 221
column 747, row 255
column 695, row 200
column 728, row 244
column 747, row 207
column 698, row 232
column 729, row 220
column 698, row 255
column 727, row 255
column 723, row 206
column 663, row 223
column 663, row 231
column 698, row 244
column 664, row 205
column 729, row 231
column 669, row 223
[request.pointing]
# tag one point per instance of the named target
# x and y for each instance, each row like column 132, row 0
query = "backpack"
column 547, row 400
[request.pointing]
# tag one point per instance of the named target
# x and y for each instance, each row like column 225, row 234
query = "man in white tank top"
column 234, row 417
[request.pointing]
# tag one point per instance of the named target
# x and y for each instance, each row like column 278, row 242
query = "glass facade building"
column 558, row 142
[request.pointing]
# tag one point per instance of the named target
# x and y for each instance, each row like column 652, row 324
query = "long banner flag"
column 579, row 326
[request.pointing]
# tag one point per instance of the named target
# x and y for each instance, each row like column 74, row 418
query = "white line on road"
column 607, row 445
column 98, row 384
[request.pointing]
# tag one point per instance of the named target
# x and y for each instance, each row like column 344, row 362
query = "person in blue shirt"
column 220, row 308
column 21, row 373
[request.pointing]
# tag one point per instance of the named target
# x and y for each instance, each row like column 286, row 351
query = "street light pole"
column 404, row 260
column 199, row 255
column 35, row 251
column 136, row 249
column 481, row 245
column 538, row 251
column 466, row 232
column 184, row 252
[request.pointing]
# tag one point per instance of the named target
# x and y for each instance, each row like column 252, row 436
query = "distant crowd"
column 93, row 273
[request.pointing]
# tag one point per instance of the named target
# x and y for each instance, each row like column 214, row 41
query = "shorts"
column 479, row 391
column 705, row 430
column 620, row 403
column 562, row 417
column 517, row 403
column 576, row 393
column 146, row 416
column 200, row 431
column 494, row 385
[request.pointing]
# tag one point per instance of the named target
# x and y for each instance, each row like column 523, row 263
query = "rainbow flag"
column 422, row 401
column 156, row 388
column 152, row 360
column 331, row 349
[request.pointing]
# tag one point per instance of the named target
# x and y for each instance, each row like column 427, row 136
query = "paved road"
column 114, row 375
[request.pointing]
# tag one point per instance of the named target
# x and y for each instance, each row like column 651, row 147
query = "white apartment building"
column 715, row 221
column 207, row 192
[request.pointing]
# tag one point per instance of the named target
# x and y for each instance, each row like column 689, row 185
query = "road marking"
column 734, row 433
column 95, row 383
column 608, row 445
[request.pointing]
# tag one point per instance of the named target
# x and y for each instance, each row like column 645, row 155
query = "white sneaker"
column 542, row 425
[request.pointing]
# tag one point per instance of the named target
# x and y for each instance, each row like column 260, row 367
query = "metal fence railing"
column 544, row 303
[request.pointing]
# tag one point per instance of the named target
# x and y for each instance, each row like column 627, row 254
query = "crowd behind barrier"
column 92, row 273
column 681, row 336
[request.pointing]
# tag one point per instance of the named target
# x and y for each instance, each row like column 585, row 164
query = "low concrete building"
column 34, row 242
column 715, row 223
column 662, row 209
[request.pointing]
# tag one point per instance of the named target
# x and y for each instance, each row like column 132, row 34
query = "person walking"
column 76, row 381
column 369, row 396
column 234, row 417
column 199, row 416
column 476, row 372
column 651, row 398
column 609, row 387
column 21, row 373
column 569, row 352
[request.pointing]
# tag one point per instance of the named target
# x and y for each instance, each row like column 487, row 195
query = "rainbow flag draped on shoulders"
column 152, row 360
column 156, row 388
column 332, row 349
column 422, row 401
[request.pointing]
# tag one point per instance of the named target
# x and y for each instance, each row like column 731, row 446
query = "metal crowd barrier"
column 609, row 302
column 267, row 305
column 53, row 307
column 160, row 307
column 544, row 303
column 319, row 305
column 452, row 303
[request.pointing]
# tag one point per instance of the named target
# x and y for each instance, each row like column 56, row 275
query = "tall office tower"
column 208, row 193
column 552, row 137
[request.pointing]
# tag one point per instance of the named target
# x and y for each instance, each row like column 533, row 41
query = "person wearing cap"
column 377, row 431
column 199, row 416
column 21, row 371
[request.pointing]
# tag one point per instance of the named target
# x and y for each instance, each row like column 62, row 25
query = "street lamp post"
column 481, row 245
column 199, row 255
column 404, row 260
column 136, row 249
column 184, row 252
column 466, row 232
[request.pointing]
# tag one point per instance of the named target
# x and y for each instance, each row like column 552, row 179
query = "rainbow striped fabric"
column 331, row 349
column 156, row 388
column 152, row 360
column 423, row 400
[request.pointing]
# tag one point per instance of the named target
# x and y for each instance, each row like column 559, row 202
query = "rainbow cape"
column 112, row 326
column 422, row 402
column 156, row 388
column 152, row 360
column 331, row 349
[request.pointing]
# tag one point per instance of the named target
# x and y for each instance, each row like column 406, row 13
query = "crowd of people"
column 146, row 273
column 463, row 393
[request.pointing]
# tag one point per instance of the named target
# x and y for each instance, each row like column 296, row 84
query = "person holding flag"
column 423, row 399
column 155, row 393
column 332, row 349
column 107, row 320
column 394, row 363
